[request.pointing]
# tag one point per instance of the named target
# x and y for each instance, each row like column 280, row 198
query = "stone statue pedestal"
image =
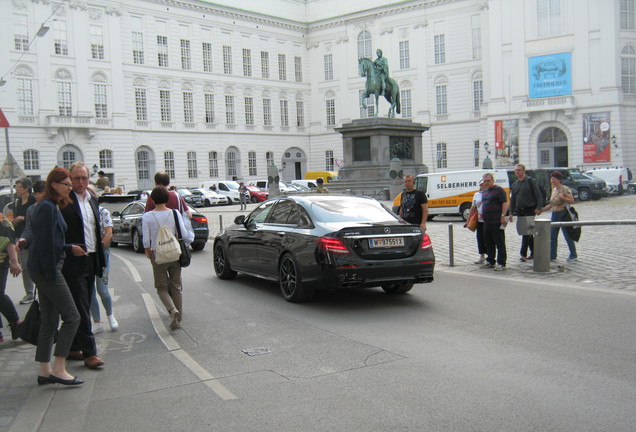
column 370, row 144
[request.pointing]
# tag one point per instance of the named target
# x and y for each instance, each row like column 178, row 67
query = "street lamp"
column 614, row 141
column 95, row 169
column 487, row 164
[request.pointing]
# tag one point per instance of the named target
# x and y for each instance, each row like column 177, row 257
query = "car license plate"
column 386, row 242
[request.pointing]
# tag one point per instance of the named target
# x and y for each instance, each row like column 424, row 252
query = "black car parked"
column 325, row 241
column 127, row 227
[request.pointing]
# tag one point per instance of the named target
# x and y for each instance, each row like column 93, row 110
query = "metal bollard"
column 220, row 222
column 451, row 249
column 541, row 262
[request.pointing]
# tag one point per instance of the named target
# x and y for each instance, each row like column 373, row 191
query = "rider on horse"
column 381, row 65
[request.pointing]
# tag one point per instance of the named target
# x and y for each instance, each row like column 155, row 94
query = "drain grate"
column 256, row 351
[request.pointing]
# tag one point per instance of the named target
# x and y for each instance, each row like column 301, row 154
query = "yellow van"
column 327, row 176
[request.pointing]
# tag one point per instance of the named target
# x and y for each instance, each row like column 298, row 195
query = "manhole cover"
column 256, row 351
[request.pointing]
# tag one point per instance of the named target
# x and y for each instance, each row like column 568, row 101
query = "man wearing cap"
column 320, row 186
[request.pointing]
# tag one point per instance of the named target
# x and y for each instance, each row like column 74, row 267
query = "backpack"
column 168, row 248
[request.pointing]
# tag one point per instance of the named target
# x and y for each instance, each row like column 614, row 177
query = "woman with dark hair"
column 560, row 198
column 47, row 253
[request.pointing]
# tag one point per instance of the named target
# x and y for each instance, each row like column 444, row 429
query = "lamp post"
column 487, row 164
column 95, row 169
column 614, row 141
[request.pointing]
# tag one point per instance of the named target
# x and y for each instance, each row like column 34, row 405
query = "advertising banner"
column 506, row 143
column 550, row 75
column 596, row 137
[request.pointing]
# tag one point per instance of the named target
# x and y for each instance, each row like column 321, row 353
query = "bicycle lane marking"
column 172, row 345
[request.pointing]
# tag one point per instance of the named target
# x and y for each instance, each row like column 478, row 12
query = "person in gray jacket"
column 525, row 200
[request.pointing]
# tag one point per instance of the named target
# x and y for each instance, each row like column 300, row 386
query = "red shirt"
column 173, row 202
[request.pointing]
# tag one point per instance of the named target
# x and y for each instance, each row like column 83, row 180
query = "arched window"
column 406, row 99
column 478, row 91
column 67, row 155
column 64, row 93
column 232, row 162
column 365, row 48
column 552, row 135
column 628, row 70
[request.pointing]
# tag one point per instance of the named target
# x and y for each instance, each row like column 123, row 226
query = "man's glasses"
column 80, row 178
column 68, row 185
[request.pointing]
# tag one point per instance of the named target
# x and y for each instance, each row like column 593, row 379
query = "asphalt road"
column 468, row 352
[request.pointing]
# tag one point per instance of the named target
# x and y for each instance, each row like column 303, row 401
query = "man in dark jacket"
column 525, row 200
column 20, row 207
column 82, row 219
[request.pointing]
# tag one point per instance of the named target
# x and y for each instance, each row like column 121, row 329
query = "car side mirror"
column 115, row 214
column 239, row 220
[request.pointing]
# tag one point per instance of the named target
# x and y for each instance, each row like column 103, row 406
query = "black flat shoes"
column 44, row 380
column 74, row 381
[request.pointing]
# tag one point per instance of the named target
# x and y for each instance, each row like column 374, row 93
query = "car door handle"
column 281, row 233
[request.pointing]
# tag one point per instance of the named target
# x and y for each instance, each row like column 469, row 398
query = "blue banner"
column 550, row 75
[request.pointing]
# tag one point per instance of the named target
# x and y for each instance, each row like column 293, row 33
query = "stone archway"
column 552, row 148
column 68, row 154
column 293, row 164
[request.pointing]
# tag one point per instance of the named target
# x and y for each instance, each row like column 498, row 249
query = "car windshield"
column 577, row 175
column 184, row 192
column 232, row 184
column 350, row 210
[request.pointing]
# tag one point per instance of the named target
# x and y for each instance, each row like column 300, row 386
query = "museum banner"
column 596, row 137
column 507, row 143
column 550, row 75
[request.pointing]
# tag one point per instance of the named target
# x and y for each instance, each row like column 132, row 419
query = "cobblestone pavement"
column 606, row 260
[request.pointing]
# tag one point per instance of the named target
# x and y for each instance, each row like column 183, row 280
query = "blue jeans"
column 560, row 216
column 102, row 290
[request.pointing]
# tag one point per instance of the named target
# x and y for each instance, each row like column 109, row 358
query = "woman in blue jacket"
column 47, row 253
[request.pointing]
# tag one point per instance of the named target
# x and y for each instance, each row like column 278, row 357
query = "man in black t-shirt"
column 414, row 204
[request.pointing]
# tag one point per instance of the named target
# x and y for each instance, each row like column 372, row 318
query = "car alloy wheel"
column 291, row 285
column 221, row 263
column 137, row 242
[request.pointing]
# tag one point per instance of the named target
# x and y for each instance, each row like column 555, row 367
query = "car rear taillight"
column 426, row 242
column 331, row 244
column 201, row 219
column 620, row 179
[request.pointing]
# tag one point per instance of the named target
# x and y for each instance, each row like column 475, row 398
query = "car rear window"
column 351, row 210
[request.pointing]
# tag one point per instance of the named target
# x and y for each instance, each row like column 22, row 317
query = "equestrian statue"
column 379, row 83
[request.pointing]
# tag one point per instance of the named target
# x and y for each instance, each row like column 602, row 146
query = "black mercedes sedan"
column 325, row 241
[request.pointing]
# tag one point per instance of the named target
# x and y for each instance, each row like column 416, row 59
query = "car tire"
column 137, row 241
column 430, row 217
column 254, row 200
column 621, row 190
column 584, row 194
column 197, row 246
column 113, row 244
column 221, row 263
column 290, row 281
column 464, row 210
column 207, row 203
column 398, row 288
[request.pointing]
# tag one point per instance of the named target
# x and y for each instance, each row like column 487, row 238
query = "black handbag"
column 30, row 326
column 186, row 254
column 574, row 231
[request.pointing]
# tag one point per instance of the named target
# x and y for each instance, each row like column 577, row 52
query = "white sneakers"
column 114, row 325
column 97, row 328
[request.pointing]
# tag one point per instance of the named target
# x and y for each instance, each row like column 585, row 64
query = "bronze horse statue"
column 374, row 86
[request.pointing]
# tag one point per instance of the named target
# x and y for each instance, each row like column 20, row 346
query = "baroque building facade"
column 209, row 90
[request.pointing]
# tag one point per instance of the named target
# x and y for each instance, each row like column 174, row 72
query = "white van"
column 451, row 193
column 310, row 184
column 229, row 188
column 616, row 178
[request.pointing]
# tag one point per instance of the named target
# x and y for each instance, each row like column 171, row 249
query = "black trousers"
column 495, row 241
column 527, row 241
column 82, row 287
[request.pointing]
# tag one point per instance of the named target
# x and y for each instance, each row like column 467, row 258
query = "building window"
column 330, row 106
column 138, row 47
column 101, row 101
column 141, row 107
column 328, row 67
column 186, row 55
column 193, row 172
column 207, row 57
column 267, row 112
column 188, row 107
column 476, row 153
column 247, row 62
column 105, row 158
column 227, row 60
column 249, row 111
column 209, row 108
column 164, row 102
column 214, row 164
column 440, row 49
column 251, row 162
column 628, row 70
column 405, row 56
column 143, row 165
column 329, row 160
column 300, row 113
column 231, row 164
column 60, row 40
column 627, row 14
column 284, row 113
column 475, row 22
column 229, row 110
column 20, row 32
column 370, row 111
column 97, row 42
column 162, row 51
column 25, row 96
column 405, row 96
column 365, row 47
column 269, row 159
column 440, row 99
column 441, row 155
column 282, row 67
column 298, row 69
column 64, row 99
column 548, row 17
column 31, row 159
column 264, row 64
column 168, row 163
column 478, row 95
column 68, row 158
